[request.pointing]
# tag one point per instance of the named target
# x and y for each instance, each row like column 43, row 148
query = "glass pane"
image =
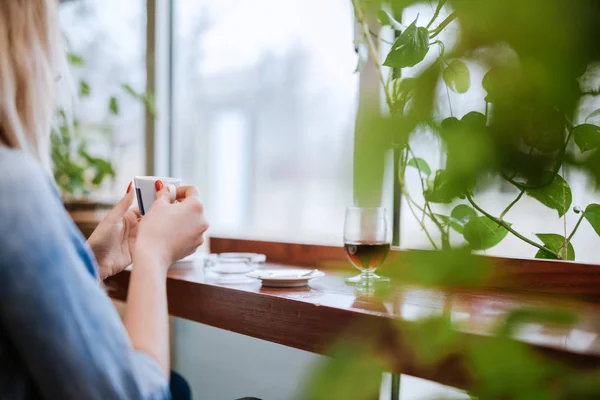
column 264, row 114
column 109, row 36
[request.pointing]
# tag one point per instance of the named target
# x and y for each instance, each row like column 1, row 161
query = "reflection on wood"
column 313, row 318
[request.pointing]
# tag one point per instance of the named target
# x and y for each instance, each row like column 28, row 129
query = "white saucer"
column 189, row 262
column 285, row 278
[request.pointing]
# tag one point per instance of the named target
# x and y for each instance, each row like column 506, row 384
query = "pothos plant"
column 531, row 157
column 77, row 170
column 537, row 54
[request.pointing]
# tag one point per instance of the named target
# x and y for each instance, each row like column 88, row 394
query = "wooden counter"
column 313, row 318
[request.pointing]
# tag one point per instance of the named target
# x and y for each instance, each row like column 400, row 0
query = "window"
column 109, row 36
column 265, row 98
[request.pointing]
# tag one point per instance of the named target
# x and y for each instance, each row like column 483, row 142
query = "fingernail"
column 129, row 187
column 158, row 185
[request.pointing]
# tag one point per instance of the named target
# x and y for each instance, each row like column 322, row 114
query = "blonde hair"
column 31, row 60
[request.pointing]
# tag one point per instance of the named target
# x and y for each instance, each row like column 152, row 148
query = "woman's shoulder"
column 32, row 214
column 21, row 175
column 26, row 189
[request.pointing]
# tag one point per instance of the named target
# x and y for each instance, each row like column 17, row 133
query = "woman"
column 60, row 336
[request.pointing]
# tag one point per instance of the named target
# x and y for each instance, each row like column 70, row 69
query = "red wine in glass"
column 367, row 256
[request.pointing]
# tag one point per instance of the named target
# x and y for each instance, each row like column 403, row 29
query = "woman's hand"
column 114, row 239
column 169, row 232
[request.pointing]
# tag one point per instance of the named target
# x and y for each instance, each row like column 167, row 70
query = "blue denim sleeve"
column 53, row 311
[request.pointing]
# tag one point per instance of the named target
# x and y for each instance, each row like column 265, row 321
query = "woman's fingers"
column 123, row 205
column 164, row 194
column 136, row 212
column 184, row 192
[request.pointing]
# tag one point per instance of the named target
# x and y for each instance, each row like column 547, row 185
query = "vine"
column 409, row 49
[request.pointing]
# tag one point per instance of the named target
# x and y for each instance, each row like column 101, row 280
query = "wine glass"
column 367, row 242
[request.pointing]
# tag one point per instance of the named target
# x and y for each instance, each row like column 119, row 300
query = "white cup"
column 145, row 190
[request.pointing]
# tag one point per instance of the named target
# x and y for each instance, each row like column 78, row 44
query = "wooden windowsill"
column 569, row 279
column 313, row 318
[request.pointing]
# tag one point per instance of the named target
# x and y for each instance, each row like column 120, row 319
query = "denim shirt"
column 60, row 336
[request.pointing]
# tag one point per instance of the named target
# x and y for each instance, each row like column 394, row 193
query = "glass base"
column 366, row 279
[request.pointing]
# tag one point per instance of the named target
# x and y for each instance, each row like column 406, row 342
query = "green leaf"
column 445, row 219
column 410, row 48
column 555, row 243
column 450, row 124
column 74, row 59
column 441, row 189
column 593, row 114
column 587, row 137
column 113, row 105
column 592, row 214
column 557, row 195
column 352, row 371
column 461, row 215
column 457, row 76
column 130, row 90
column 508, row 369
column 432, row 338
column 149, row 102
column 146, row 98
column 454, row 267
column 84, row 88
column 419, row 164
column 500, row 83
column 402, row 91
column 546, row 130
column 482, row 233
column 385, row 19
column 527, row 315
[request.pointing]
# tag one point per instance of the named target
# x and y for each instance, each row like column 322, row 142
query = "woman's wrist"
column 104, row 270
column 148, row 254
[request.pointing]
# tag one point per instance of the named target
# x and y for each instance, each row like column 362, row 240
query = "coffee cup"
column 145, row 190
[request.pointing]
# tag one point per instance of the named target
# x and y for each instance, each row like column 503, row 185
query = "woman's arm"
column 61, row 324
column 146, row 317
column 167, row 233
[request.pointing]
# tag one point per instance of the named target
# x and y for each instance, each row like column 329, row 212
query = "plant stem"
column 427, row 206
column 511, row 204
column 511, row 230
column 375, row 35
column 411, row 201
column 568, row 239
column 564, row 195
column 436, row 13
column 576, row 226
column 360, row 18
column 442, row 25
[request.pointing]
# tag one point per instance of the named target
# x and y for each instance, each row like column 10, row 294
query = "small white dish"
column 233, row 266
column 285, row 278
column 189, row 262
column 253, row 257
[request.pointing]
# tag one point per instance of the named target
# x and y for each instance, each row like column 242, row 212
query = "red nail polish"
column 158, row 185
column 129, row 187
